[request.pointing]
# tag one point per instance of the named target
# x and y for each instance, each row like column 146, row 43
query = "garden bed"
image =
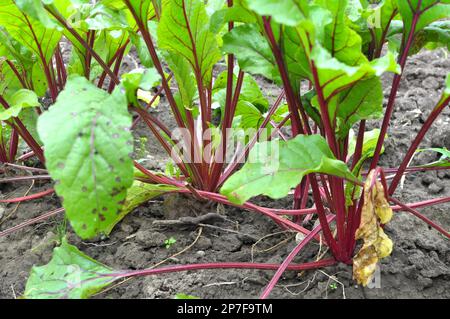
column 419, row 266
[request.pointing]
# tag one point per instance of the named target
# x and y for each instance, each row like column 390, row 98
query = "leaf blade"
column 91, row 165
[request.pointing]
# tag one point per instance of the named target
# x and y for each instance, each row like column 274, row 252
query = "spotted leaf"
column 87, row 147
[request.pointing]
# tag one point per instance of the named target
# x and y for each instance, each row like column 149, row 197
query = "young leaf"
column 70, row 274
column 444, row 161
column 250, row 91
column 282, row 165
column 18, row 101
column 139, row 79
column 247, row 116
column 89, row 156
column 184, row 30
column 252, row 51
column 141, row 50
column 369, row 144
column 298, row 42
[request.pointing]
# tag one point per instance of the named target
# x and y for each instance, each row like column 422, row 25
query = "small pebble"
column 200, row 253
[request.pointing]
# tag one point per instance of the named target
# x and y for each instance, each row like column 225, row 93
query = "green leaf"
column 70, row 274
column 184, row 77
column 351, row 86
column 444, row 161
column 101, row 17
column 335, row 76
column 435, row 35
column 23, row 60
column 369, row 144
column 32, row 33
column 298, row 42
column 352, row 191
column 29, row 118
column 184, row 30
column 139, row 79
column 141, row 50
column 107, row 43
column 35, row 9
column 9, row 81
column 380, row 17
column 19, row 100
column 237, row 13
column 89, row 158
column 144, row 9
column 282, row 165
column 287, row 12
column 250, row 91
column 138, row 194
column 252, row 51
column 429, row 11
column 363, row 101
column 342, row 42
column 247, row 116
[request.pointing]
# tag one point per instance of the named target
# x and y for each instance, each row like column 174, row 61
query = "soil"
column 419, row 266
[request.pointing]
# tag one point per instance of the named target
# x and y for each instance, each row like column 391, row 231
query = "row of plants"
column 77, row 113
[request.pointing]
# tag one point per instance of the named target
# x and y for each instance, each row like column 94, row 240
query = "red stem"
column 80, row 39
column 290, row 96
column 323, row 217
column 27, row 198
column 232, row 166
column 224, row 265
column 13, row 145
column 394, row 89
column 289, row 259
column 230, row 110
column 116, row 70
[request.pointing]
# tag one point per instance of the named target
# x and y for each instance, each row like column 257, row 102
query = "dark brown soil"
column 419, row 266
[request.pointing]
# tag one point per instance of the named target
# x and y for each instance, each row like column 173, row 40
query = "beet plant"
column 328, row 58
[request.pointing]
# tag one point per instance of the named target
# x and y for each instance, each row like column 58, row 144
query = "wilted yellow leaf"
column 382, row 208
column 147, row 97
column 377, row 245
